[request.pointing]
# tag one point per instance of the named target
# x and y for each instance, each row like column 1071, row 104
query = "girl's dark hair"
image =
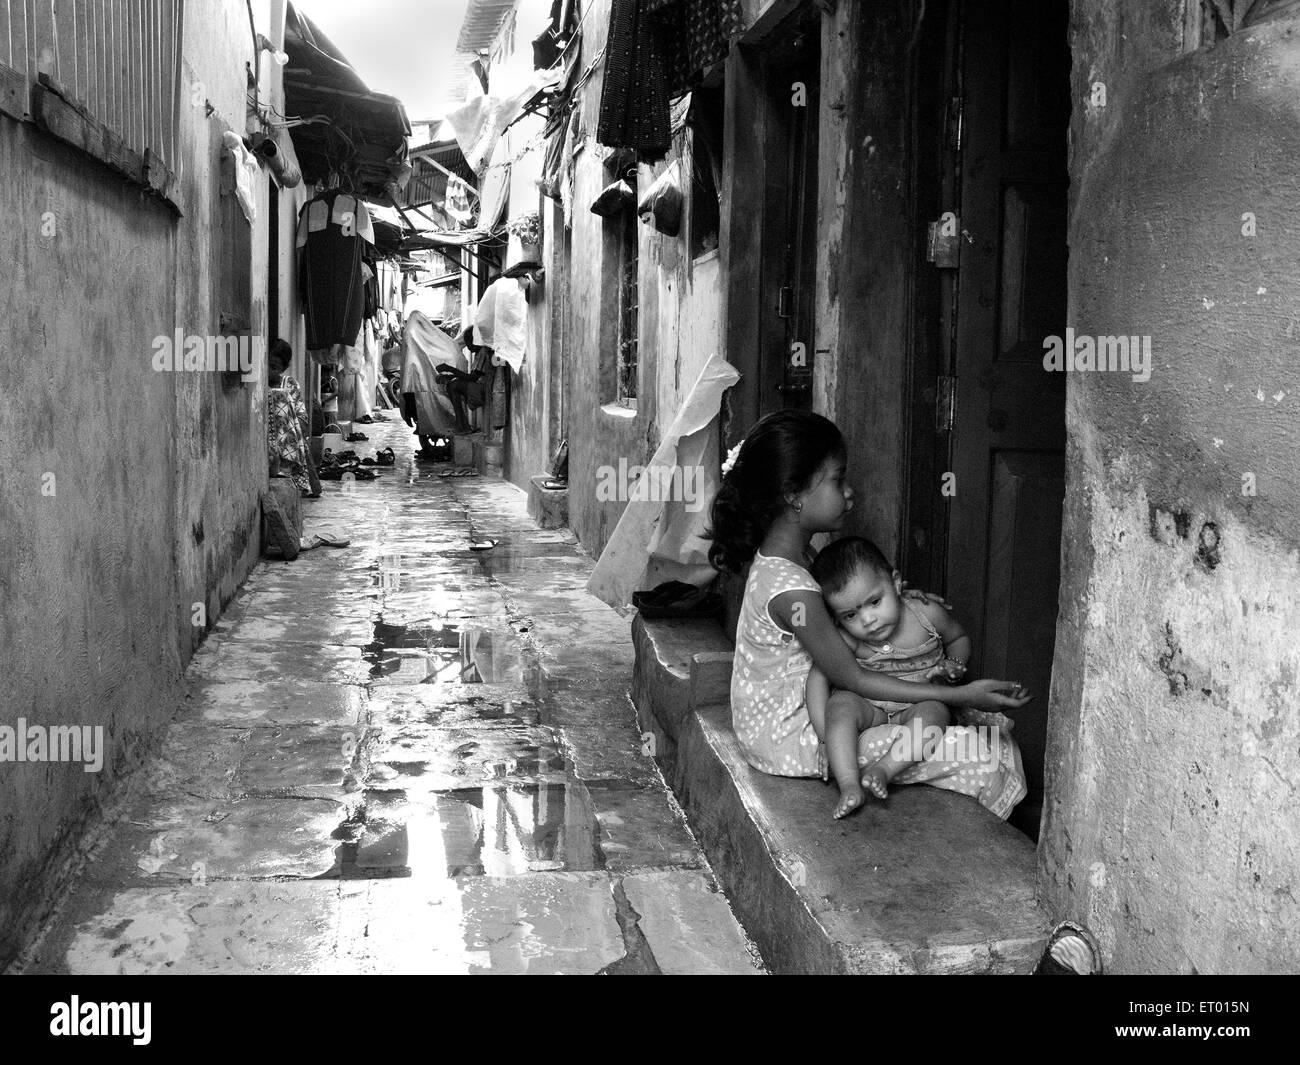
column 781, row 454
column 837, row 563
column 280, row 349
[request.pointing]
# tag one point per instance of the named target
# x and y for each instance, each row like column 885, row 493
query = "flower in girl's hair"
column 730, row 462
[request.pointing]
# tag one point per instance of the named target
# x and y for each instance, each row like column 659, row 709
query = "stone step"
column 929, row 882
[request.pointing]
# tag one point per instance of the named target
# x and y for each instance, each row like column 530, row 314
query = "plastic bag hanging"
column 661, row 206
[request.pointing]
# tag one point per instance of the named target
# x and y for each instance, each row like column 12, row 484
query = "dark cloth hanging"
column 370, row 287
column 333, row 289
column 656, row 49
column 694, row 34
column 634, row 94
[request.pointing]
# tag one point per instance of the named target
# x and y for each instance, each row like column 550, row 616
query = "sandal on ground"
column 355, row 436
column 1049, row 966
column 386, row 457
column 483, row 545
column 460, row 471
column 325, row 538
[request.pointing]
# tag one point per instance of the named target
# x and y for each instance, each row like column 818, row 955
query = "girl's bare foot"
column 850, row 799
column 875, row 780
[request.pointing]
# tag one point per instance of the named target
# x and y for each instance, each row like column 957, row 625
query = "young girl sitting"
column 785, row 483
column 887, row 634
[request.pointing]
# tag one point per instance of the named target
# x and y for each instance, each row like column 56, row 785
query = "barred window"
column 101, row 74
column 629, row 266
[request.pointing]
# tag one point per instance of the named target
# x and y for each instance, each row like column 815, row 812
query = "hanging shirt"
column 332, row 230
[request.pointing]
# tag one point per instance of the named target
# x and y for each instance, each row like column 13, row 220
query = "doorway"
column 987, row 437
column 769, row 218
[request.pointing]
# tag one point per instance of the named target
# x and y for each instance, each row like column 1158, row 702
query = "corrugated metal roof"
column 483, row 21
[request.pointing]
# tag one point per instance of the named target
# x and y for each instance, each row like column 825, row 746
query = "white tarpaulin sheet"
column 500, row 321
column 660, row 535
column 424, row 346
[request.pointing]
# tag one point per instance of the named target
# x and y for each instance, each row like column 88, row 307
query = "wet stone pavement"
column 405, row 756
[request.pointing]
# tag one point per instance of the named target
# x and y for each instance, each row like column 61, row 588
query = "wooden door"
column 1007, row 441
column 789, row 286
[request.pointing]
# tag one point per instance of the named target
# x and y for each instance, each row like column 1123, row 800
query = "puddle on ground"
column 502, row 830
column 445, row 654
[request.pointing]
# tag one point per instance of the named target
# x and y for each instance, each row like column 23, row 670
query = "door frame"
column 752, row 229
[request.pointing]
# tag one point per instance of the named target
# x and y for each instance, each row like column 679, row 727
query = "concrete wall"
column 155, row 475
column 1173, row 761
column 678, row 327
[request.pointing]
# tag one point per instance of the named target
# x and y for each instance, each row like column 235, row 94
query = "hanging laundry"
column 247, row 173
column 634, row 94
column 657, row 49
column 500, row 323
column 370, row 284
column 332, row 229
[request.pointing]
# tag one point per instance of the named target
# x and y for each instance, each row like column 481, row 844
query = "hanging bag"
column 661, row 206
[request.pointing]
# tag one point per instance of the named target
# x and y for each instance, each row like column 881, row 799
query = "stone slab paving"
column 405, row 756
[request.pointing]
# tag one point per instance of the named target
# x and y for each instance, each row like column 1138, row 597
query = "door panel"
column 790, row 224
column 1008, row 437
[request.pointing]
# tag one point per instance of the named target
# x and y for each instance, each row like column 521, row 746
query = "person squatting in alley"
column 785, row 483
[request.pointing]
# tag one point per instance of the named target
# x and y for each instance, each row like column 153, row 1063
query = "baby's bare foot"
column 850, row 799
column 876, row 782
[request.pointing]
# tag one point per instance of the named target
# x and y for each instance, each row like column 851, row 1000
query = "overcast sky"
column 399, row 47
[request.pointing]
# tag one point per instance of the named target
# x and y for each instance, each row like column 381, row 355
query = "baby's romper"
column 768, row 708
column 977, row 760
column 905, row 663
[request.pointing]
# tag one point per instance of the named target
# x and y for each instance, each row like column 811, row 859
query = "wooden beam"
column 13, row 93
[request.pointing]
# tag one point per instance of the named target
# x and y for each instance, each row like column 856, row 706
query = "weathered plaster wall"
column 155, row 474
column 529, row 435
column 219, row 425
column 678, row 329
column 1174, row 746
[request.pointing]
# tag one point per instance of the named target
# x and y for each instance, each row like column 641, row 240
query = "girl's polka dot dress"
column 768, row 710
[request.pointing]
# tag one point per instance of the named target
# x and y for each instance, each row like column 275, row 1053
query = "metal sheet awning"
column 339, row 125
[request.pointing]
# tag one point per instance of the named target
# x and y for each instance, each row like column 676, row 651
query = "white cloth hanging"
column 501, row 321
column 247, row 173
column 661, row 539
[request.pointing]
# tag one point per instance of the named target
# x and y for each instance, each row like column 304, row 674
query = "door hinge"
column 945, row 405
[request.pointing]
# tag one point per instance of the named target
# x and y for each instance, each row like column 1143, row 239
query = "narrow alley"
column 405, row 756
column 646, row 487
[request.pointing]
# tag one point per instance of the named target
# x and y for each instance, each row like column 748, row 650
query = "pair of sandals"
column 336, row 473
column 386, row 457
column 460, row 471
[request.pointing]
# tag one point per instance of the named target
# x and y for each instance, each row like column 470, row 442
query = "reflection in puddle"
column 514, row 830
column 435, row 653
column 502, row 830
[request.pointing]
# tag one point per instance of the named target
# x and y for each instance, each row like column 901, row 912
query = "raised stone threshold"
column 927, row 882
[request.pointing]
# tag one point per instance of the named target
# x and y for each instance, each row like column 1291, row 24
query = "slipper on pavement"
column 325, row 538
column 483, row 545
column 1049, row 966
